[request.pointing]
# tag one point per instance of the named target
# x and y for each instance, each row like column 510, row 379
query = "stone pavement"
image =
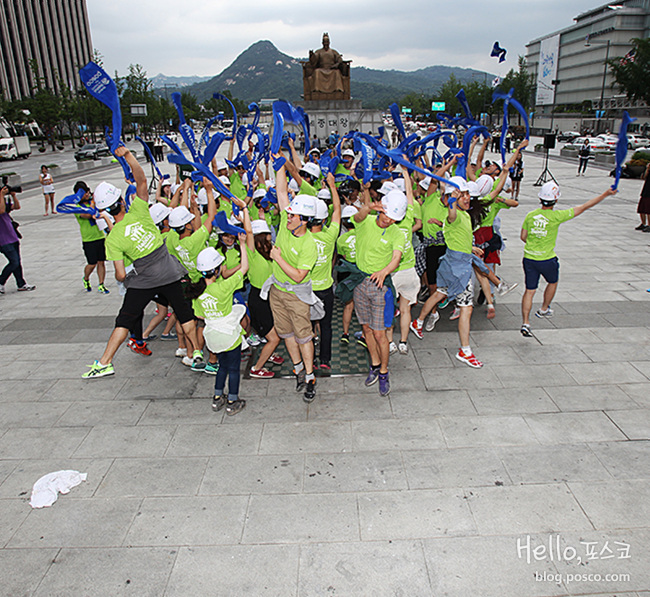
column 506, row 481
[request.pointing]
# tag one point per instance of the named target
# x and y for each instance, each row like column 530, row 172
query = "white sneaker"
column 403, row 348
column 392, row 348
column 181, row 352
column 504, row 288
column 187, row 361
column 455, row 314
column 431, row 321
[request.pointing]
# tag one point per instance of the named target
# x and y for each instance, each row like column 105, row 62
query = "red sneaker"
column 276, row 359
column 416, row 329
column 139, row 348
column 261, row 373
column 470, row 360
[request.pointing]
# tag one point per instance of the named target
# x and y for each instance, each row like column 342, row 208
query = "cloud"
column 201, row 37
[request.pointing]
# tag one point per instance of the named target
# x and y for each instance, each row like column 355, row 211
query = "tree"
column 632, row 72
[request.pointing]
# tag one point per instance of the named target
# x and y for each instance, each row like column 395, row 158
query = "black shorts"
column 136, row 299
column 434, row 253
column 260, row 310
column 94, row 251
column 548, row 268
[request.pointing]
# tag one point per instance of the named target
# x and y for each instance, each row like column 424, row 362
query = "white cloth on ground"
column 46, row 489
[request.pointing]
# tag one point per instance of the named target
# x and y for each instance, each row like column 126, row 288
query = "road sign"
column 438, row 106
column 406, row 110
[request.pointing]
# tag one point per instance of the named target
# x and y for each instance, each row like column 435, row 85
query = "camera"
column 10, row 189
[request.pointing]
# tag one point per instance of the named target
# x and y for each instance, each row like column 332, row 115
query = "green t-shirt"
column 495, row 207
column 346, row 245
column 542, row 226
column 433, row 208
column 216, row 300
column 341, row 169
column 237, row 188
column 187, row 249
column 89, row 232
column 233, row 257
column 321, row 275
column 307, row 189
column 135, row 236
column 259, row 269
column 458, row 234
column 375, row 245
column 405, row 227
column 298, row 251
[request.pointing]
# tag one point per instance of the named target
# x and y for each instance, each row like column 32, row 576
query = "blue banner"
column 621, row 147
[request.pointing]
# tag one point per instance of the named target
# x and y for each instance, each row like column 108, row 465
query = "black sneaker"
column 232, row 408
column 300, row 380
column 345, row 338
column 481, row 298
column 218, row 402
column 310, row 391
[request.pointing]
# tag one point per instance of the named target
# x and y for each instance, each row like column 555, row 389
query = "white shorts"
column 48, row 189
column 407, row 284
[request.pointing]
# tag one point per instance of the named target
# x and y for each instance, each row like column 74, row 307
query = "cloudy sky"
column 202, row 37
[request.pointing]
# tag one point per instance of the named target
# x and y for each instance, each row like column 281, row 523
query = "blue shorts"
column 549, row 268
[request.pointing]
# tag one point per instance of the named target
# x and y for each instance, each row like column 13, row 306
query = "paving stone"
column 293, row 438
column 289, row 408
column 516, row 376
column 22, row 443
column 624, row 460
column 204, row 520
column 580, row 398
column 552, row 464
column 559, row 428
column 615, row 505
column 639, row 392
column 103, row 389
column 380, row 568
column 31, row 414
column 413, row 405
column 125, row 441
column 22, row 570
column 112, row 572
column 270, row 570
column 349, row 408
column 603, row 373
column 526, row 509
column 214, row 440
column 635, row 424
column 89, row 414
column 78, row 523
column 236, row 475
column 464, row 432
column 301, row 518
column 511, row 401
column 414, row 514
column 358, row 471
column 465, row 378
column 437, row 469
column 402, row 434
column 24, row 390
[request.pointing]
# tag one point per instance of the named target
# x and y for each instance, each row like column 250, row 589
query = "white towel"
column 46, row 489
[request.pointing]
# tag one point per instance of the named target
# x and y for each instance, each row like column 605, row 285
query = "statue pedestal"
column 328, row 116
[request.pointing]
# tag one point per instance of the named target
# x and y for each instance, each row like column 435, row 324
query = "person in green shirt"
column 321, row 274
column 539, row 232
column 92, row 242
column 294, row 256
column 379, row 249
column 306, row 175
column 134, row 240
column 346, row 247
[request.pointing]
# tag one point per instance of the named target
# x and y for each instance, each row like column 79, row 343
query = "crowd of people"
column 228, row 272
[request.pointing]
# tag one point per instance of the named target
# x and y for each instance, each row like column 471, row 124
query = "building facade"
column 52, row 34
column 580, row 72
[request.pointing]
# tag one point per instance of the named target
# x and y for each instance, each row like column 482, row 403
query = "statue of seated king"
column 326, row 76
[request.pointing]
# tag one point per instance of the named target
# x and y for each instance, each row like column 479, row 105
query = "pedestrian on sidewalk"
column 584, row 154
column 10, row 240
column 47, row 183
column 643, row 209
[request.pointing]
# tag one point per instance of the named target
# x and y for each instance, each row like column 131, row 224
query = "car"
column 611, row 140
column 567, row 136
column 91, row 151
column 637, row 141
column 595, row 143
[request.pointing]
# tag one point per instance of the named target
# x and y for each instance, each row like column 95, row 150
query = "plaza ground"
column 445, row 488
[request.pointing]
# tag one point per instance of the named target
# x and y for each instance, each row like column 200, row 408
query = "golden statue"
column 326, row 75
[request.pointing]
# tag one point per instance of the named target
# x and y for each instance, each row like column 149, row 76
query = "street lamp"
column 607, row 42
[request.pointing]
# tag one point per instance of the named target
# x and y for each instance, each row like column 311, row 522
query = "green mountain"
column 263, row 72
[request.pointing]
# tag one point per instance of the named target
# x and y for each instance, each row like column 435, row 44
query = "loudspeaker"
column 549, row 141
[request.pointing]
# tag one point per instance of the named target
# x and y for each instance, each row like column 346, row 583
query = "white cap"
column 400, row 183
column 460, row 182
column 314, row 150
column 166, row 182
column 106, row 195
column 259, row 194
column 387, row 187
column 347, row 152
column 202, row 197
column 159, row 212
column 293, row 186
column 395, row 204
column 485, row 183
column 260, row 227
column 321, row 210
column 303, row 205
column 270, row 183
column 324, row 194
column 225, row 180
column 244, row 178
column 311, row 169
column 348, row 211
column 180, row 216
column 175, row 187
column 550, row 191
column 209, row 259
column 473, row 188
column 221, row 165
column 425, row 183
